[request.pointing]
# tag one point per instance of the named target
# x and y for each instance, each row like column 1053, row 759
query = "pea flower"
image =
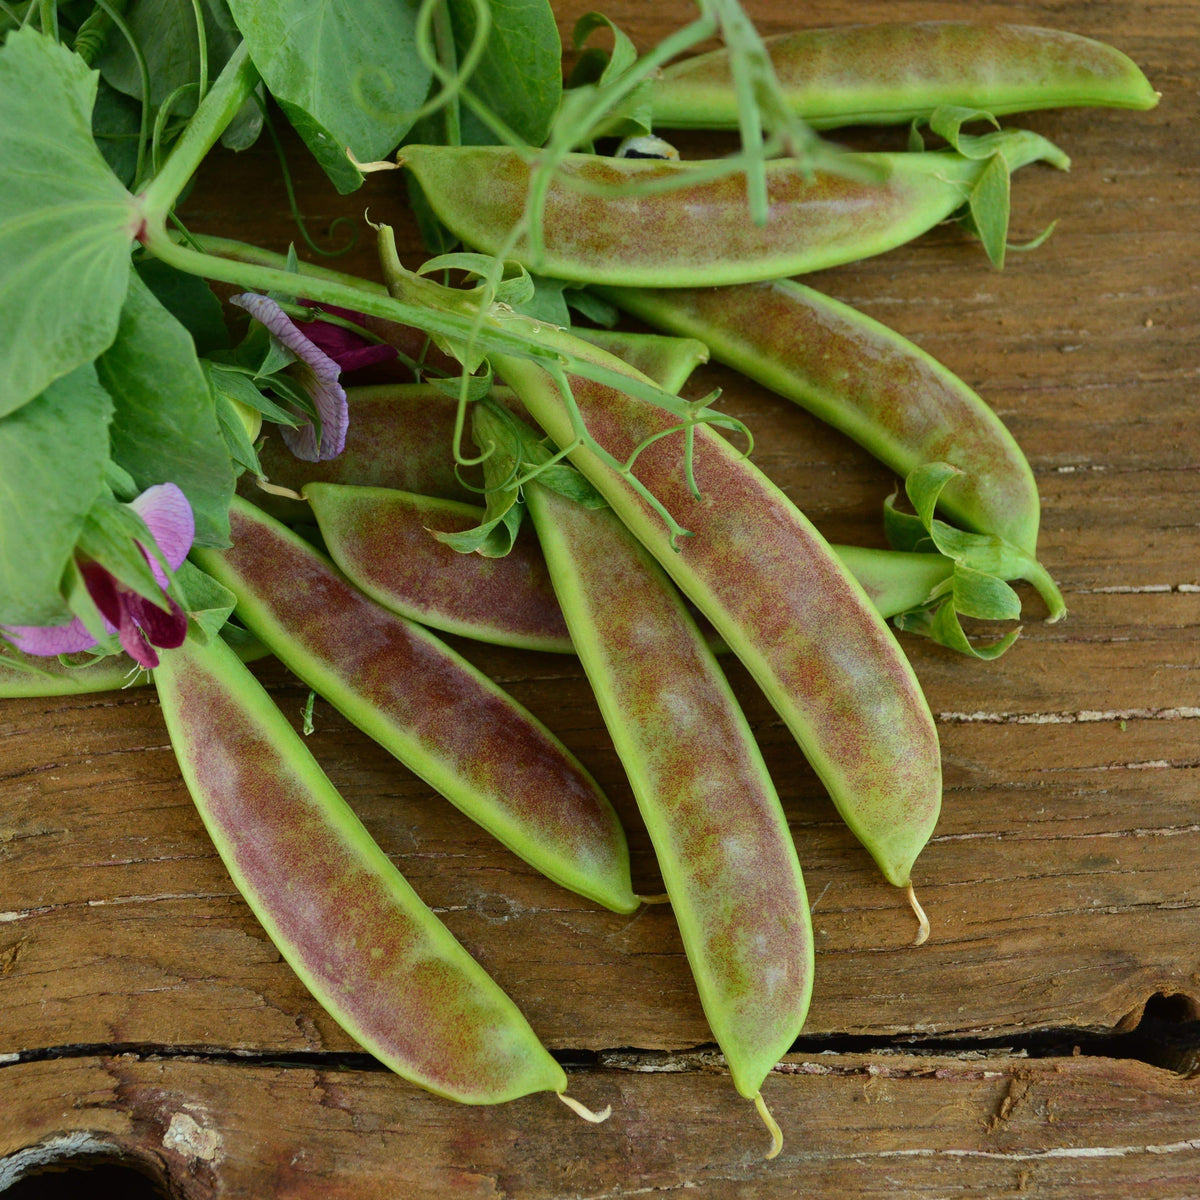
column 139, row 624
column 323, row 351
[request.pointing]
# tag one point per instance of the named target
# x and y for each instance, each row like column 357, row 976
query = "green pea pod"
column 722, row 843
column 654, row 223
column 896, row 72
column 381, row 540
column 877, row 387
column 445, row 720
column 777, row 594
column 374, row 956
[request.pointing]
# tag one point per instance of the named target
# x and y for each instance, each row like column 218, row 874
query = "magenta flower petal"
column 50, row 639
column 168, row 516
column 318, row 374
column 348, row 349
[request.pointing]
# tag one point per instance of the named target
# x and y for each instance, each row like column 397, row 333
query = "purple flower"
column 322, row 351
column 351, row 351
column 139, row 624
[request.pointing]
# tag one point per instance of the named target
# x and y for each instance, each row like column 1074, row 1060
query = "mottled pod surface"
column 893, row 72
column 866, row 380
column 344, row 918
column 383, row 540
column 603, row 222
column 718, row 829
column 440, row 716
column 775, row 591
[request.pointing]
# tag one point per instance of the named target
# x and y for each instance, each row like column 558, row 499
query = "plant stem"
column 227, row 95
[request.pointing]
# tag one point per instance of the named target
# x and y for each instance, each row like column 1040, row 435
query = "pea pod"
column 445, row 720
column 895, row 72
column 610, row 221
column 776, row 593
column 715, row 821
column 346, row 921
column 380, row 539
column 889, row 395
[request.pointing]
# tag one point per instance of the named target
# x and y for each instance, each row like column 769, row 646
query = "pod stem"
column 769, row 1121
column 923, row 920
column 583, row 1111
column 661, row 898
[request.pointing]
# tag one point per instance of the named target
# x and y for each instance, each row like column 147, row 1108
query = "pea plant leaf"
column 165, row 428
column 165, row 31
column 66, row 222
column 190, row 300
column 346, row 73
column 519, row 77
column 53, row 452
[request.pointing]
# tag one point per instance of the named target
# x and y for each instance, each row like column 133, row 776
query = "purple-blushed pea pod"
column 877, row 387
column 896, row 72
column 361, row 940
column 719, row 833
column 655, row 223
column 785, row 605
column 440, row 716
column 382, row 540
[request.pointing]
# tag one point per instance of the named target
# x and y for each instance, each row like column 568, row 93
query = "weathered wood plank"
column 1062, row 880
column 1066, row 1129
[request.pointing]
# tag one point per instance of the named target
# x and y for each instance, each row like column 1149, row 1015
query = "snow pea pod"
column 877, row 387
column 346, row 921
column 380, row 539
column 772, row 588
column 718, row 830
column 445, row 720
column 895, row 72
column 608, row 220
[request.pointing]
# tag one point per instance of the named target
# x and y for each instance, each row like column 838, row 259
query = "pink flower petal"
column 50, row 639
column 168, row 516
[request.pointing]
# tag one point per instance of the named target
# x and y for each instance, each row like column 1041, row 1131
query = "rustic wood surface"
column 147, row 1018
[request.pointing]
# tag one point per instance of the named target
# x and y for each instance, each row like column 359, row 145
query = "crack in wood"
column 1083, row 717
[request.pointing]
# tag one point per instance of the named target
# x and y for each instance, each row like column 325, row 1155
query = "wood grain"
column 139, row 995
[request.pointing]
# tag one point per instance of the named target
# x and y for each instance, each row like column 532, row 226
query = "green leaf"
column 165, row 30
column 206, row 601
column 237, row 385
column 947, row 122
column 116, row 119
column 190, row 300
column 66, row 223
column 52, row 456
column 520, row 75
column 165, row 429
column 346, row 73
column 989, row 208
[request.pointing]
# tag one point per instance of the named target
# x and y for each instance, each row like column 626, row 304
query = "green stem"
column 227, row 95
column 1048, row 590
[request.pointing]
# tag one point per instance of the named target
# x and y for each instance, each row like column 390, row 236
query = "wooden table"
column 1043, row 1042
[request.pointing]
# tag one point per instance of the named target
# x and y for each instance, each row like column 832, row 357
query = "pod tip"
column 770, row 1122
column 581, row 1110
column 922, row 919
